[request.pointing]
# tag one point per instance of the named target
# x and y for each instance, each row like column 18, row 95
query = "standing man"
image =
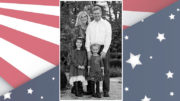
column 99, row 32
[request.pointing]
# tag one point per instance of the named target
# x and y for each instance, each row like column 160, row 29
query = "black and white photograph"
column 90, row 50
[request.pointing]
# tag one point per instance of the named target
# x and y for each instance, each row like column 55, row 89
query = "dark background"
column 111, row 12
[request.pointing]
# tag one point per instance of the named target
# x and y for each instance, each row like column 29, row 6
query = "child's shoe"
column 77, row 90
column 94, row 95
column 80, row 88
column 98, row 95
column 89, row 88
column 73, row 90
column 93, row 89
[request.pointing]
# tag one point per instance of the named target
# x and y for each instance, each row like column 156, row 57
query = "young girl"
column 95, row 70
column 78, row 60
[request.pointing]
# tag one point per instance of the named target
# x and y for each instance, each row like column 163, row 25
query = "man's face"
column 97, row 15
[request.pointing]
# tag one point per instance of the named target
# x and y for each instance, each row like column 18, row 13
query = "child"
column 95, row 70
column 78, row 60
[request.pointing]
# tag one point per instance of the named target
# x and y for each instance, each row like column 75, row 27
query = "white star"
column 169, row 74
column 172, row 16
column 53, row 78
column 126, row 89
column 42, row 97
column 146, row 99
column 29, row 91
column 7, row 95
column 134, row 60
column 126, row 37
column 178, row 9
column 171, row 93
column 151, row 57
column 160, row 37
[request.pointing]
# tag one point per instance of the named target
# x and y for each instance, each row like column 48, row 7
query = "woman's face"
column 79, row 43
column 84, row 18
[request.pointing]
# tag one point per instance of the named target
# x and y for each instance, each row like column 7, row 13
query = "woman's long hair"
column 78, row 19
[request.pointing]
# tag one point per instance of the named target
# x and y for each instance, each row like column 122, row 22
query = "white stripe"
column 50, row 10
column 47, row 33
column 5, row 87
column 26, row 62
column 132, row 17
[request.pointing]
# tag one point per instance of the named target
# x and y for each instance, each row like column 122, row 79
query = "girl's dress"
column 77, row 57
column 95, row 64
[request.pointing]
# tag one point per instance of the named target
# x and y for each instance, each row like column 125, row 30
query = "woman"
column 82, row 22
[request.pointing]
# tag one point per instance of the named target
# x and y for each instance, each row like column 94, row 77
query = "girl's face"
column 79, row 44
column 95, row 49
column 84, row 18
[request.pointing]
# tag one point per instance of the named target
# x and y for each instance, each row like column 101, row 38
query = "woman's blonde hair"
column 78, row 19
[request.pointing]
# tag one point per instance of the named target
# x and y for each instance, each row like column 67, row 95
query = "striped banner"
column 137, row 10
column 29, row 40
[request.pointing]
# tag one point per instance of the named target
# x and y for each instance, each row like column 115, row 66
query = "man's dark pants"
column 106, row 81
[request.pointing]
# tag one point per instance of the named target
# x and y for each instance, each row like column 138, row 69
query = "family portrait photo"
column 90, row 50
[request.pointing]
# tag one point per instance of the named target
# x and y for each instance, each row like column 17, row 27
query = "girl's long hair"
column 83, row 43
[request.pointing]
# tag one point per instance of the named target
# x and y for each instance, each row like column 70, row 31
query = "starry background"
column 150, row 79
column 44, row 88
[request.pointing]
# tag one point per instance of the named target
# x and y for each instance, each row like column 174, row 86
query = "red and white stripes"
column 29, row 40
column 33, row 2
column 137, row 10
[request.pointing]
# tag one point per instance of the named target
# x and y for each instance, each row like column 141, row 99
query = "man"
column 99, row 32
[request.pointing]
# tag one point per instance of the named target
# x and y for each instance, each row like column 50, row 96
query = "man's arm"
column 88, row 39
column 88, row 43
column 108, row 37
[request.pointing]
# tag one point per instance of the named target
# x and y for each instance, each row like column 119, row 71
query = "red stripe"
column 49, row 20
column 43, row 49
column 146, row 5
column 124, row 27
column 35, row 2
column 13, row 76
